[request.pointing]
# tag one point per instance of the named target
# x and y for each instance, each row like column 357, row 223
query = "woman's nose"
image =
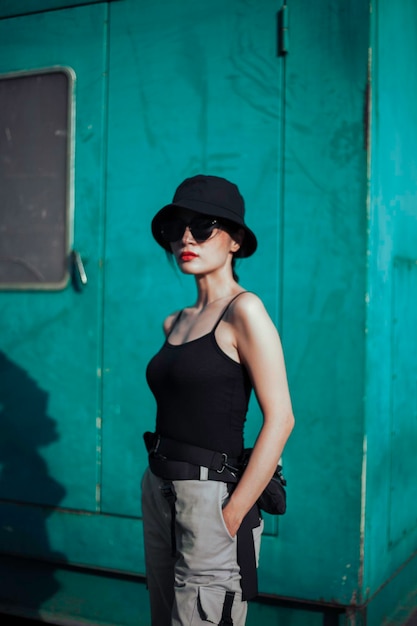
column 187, row 235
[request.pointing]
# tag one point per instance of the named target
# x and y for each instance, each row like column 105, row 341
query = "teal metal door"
column 161, row 91
column 195, row 87
column 51, row 336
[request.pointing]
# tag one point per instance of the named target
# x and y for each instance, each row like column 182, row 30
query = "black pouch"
column 273, row 499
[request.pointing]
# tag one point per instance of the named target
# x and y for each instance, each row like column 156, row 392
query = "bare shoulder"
column 252, row 324
column 169, row 321
column 248, row 308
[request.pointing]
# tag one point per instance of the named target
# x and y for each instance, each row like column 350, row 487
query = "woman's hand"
column 231, row 519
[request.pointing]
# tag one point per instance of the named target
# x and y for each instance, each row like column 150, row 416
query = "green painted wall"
column 50, row 341
column 391, row 376
column 164, row 90
column 187, row 94
column 324, row 285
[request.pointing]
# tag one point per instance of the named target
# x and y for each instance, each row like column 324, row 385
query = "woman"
column 202, row 528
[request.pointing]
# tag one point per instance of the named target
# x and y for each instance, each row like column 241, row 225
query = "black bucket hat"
column 213, row 196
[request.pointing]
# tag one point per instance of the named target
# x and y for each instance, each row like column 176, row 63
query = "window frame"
column 69, row 179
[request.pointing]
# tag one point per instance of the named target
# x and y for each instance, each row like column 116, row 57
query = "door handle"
column 78, row 273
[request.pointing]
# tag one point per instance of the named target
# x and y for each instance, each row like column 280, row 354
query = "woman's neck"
column 210, row 291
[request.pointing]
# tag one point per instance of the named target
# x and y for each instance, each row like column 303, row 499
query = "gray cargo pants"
column 189, row 589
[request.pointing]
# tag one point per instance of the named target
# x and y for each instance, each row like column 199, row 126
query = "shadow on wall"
column 28, row 494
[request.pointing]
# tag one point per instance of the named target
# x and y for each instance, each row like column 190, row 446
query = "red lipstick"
column 187, row 256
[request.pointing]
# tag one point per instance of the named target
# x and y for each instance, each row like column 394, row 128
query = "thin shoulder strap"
column 174, row 323
column 222, row 314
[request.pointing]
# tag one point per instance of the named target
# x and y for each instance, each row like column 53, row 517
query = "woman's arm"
column 260, row 350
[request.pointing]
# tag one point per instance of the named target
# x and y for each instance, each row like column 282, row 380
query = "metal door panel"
column 324, row 280
column 390, row 530
column 194, row 87
column 50, row 341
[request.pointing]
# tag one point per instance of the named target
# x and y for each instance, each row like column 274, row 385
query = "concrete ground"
column 8, row 620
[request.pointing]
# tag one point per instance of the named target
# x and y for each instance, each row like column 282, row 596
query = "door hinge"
column 282, row 31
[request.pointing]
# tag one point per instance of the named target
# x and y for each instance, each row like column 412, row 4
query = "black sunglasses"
column 201, row 228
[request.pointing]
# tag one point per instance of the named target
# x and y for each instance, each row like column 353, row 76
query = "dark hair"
column 235, row 276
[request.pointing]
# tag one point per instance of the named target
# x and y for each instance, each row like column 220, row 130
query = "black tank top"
column 202, row 395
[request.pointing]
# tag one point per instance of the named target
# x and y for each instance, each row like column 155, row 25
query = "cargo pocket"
column 217, row 606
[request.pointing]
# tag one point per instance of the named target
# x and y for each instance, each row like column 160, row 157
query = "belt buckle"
column 220, row 471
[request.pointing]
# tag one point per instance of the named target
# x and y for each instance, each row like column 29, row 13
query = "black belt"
column 181, row 470
column 175, row 460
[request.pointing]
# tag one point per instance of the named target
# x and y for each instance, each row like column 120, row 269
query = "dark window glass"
column 34, row 179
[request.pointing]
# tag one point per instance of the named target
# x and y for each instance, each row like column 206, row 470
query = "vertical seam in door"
column 281, row 193
column 101, row 250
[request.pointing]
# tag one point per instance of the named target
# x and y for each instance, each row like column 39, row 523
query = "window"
column 35, row 189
